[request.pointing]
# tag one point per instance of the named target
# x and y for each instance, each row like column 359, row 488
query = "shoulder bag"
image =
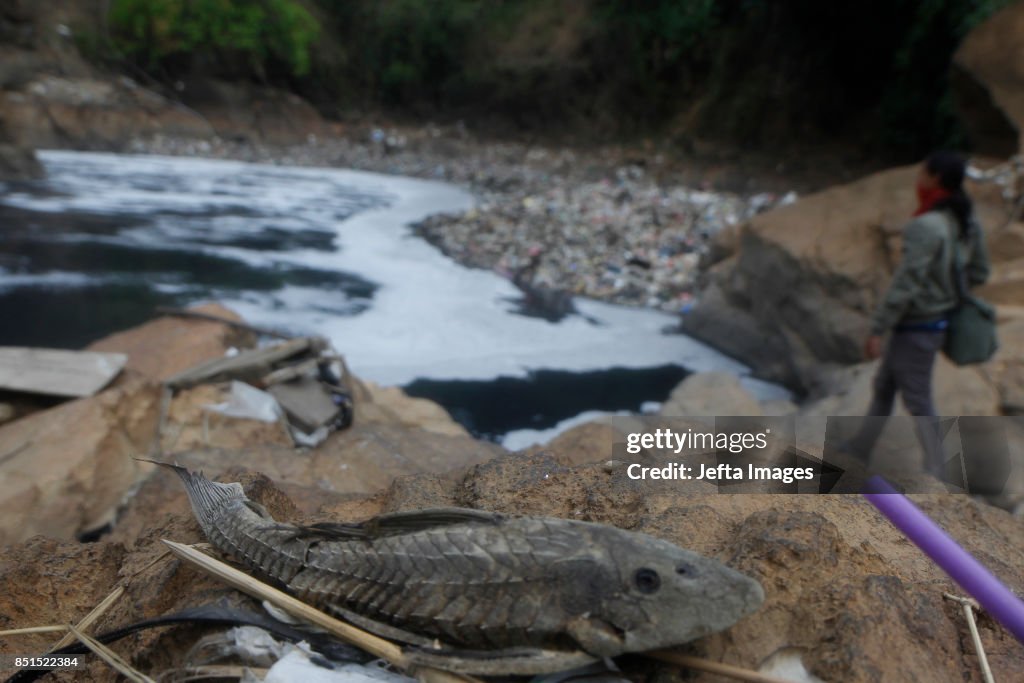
column 971, row 335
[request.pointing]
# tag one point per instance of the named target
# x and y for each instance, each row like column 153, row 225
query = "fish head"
column 667, row 595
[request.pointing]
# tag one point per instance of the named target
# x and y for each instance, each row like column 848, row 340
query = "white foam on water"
column 429, row 318
column 50, row 280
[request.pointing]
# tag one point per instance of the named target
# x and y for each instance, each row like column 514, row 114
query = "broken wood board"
column 57, row 372
column 248, row 366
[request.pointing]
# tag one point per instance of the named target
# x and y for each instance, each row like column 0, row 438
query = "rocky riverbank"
column 876, row 614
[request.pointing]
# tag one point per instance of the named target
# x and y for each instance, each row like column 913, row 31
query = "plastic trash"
column 248, row 402
column 298, row 665
column 994, row 595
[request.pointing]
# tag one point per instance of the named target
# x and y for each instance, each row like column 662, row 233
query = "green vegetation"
column 404, row 51
column 239, row 37
column 872, row 73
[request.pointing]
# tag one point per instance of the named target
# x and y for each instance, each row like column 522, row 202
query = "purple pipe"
column 973, row 577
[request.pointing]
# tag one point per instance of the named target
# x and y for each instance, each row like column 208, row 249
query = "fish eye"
column 647, row 580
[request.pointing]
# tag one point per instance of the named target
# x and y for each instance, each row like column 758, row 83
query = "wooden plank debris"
column 57, row 372
column 248, row 366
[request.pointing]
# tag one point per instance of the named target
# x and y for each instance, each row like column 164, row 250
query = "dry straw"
column 111, row 658
column 375, row 645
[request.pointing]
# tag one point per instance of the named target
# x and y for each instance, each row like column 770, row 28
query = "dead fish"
column 485, row 593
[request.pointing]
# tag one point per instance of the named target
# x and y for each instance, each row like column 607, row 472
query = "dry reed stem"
column 373, row 644
column 709, row 666
column 111, row 658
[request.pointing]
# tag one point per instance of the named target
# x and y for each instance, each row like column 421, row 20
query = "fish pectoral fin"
column 399, row 523
column 596, row 636
column 510, row 662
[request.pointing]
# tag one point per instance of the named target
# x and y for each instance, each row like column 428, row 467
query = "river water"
column 106, row 238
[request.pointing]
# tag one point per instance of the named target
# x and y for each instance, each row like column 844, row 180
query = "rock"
column 1011, row 498
column 988, row 82
column 723, row 244
column 50, row 96
column 585, row 443
column 68, row 468
column 164, row 347
column 1006, row 284
column 844, row 587
column 367, row 458
column 1006, row 370
column 800, row 290
column 92, row 112
column 363, row 459
column 258, row 113
column 958, row 391
column 710, row 394
column 7, row 412
column 779, row 407
column 1007, row 244
column 795, row 301
column 377, row 404
column 188, row 424
column 18, row 163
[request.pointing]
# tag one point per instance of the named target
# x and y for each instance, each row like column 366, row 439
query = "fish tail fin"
column 207, row 497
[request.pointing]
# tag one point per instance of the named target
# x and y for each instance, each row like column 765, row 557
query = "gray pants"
column 906, row 368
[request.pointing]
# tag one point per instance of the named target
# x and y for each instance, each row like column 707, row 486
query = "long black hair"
column 950, row 168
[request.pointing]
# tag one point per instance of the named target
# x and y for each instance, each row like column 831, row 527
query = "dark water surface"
column 544, row 398
column 69, row 277
column 106, row 239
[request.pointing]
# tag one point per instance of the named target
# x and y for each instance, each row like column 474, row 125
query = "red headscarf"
column 928, row 198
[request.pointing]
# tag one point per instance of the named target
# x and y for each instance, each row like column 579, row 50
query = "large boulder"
column 988, row 82
column 799, row 292
column 65, row 470
column 166, row 346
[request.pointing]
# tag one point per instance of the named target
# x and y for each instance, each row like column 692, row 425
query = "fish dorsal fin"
column 395, row 523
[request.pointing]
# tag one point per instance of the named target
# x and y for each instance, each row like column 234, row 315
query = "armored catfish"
column 479, row 592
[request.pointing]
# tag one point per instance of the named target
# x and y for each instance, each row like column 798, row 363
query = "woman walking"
column 914, row 309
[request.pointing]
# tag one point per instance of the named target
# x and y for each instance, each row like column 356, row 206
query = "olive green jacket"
column 923, row 286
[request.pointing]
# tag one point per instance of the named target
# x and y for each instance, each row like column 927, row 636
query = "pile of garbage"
column 626, row 240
